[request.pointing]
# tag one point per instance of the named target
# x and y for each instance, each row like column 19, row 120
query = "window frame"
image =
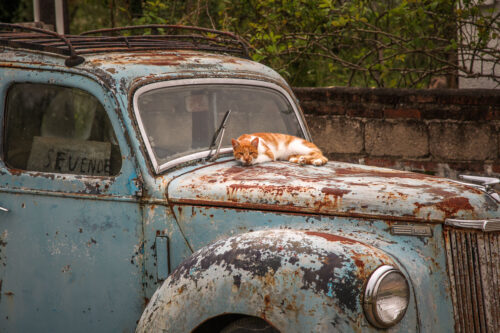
column 126, row 185
column 55, row 87
column 159, row 168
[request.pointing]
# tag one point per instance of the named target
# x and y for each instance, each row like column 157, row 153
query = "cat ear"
column 255, row 142
column 235, row 143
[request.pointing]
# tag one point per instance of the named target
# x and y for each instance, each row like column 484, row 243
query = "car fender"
column 298, row 281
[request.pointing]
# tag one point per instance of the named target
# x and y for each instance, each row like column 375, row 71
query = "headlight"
column 387, row 295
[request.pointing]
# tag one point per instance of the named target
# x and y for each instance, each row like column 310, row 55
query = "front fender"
column 299, row 281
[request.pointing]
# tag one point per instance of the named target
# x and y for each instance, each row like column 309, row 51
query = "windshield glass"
column 181, row 120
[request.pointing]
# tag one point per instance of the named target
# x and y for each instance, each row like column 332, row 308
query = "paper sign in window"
column 61, row 155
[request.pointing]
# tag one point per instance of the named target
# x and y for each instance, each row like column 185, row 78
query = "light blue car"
column 122, row 208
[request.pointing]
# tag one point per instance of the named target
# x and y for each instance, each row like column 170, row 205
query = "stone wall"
column 442, row 132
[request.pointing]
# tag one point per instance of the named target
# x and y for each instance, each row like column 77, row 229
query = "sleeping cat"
column 264, row 147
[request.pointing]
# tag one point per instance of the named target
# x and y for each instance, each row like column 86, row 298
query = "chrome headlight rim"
column 371, row 293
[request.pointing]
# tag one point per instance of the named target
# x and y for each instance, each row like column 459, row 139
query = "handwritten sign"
column 61, row 155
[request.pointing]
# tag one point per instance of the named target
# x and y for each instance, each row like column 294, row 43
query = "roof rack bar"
column 235, row 37
column 160, row 26
column 145, row 48
column 73, row 59
column 43, row 48
column 76, row 39
column 166, row 37
column 85, row 44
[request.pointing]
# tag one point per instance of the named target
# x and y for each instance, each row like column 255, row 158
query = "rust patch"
column 453, row 205
column 353, row 171
column 181, row 289
column 332, row 238
column 360, row 265
column 334, row 191
column 268, row 189
column 172, row 61
column 294, row 210
column 156, row 58
column 279, row 169
column 267, row 303
column 396, row 196
column 449, row 206
column 434, row 190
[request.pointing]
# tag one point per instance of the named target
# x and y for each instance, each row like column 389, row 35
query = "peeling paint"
column 293, row 245
column 334, row 189
column 244, row 271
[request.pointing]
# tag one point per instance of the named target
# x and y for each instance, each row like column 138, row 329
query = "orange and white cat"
column 264, row 147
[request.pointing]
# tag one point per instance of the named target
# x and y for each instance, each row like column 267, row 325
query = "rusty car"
column 122, row 208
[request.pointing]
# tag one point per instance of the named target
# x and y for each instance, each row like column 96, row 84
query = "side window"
column 58, row 129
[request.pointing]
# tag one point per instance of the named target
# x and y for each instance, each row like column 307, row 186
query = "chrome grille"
column 474, row 271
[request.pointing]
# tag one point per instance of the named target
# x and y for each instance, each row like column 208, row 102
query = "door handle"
column 3, row 209
column 162, row 264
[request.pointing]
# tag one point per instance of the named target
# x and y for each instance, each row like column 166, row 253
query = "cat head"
column 245, row 151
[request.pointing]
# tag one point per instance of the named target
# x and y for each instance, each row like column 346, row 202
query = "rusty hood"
column 334, row 189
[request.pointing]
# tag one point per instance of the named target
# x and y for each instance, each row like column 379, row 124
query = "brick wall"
column 442, row 132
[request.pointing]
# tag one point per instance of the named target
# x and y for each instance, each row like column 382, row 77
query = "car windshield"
column 181, row 120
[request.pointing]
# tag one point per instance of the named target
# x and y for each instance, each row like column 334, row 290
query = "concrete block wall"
column 442, row 132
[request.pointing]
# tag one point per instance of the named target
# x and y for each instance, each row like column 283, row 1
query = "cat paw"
column 302, row 160
column 318, row 162
column 294, row 160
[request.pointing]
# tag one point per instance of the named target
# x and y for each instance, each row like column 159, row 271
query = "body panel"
column 298, row 281
column 334, row 189
column 294, row 244
column 422, row 258
column 70, row 244
column 56, row 267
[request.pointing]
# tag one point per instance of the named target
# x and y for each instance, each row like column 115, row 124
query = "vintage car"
column 122, row 207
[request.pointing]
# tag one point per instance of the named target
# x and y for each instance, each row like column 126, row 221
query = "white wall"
column 481, row 67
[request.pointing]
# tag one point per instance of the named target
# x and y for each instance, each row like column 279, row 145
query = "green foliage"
column 14, row 11
column 389, row 43
column 398, row 43
column 360, row 43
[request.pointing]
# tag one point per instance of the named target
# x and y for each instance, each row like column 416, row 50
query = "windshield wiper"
column 218, row 133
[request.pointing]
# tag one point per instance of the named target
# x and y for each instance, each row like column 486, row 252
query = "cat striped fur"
column 265, row 147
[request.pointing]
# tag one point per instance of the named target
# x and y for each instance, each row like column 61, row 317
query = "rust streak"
column 353, row 171
column 333, row 238
column 270, row 189
column 290, row 209
column 334, row 191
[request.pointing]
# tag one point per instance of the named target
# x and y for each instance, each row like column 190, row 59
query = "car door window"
column 58, row 129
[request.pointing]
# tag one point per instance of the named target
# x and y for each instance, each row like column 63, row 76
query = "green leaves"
column 396, row 43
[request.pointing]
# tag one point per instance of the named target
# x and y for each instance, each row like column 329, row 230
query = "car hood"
column 334, row 189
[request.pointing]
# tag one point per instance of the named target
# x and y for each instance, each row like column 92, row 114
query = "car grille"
column 474, row 270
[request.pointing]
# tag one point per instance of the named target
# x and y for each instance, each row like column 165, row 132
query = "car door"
column 70, row 219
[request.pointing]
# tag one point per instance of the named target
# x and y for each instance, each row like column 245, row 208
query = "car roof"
column 127, row 69
column 123, row 61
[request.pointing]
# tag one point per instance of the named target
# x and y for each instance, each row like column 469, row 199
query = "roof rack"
column 161, row 37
